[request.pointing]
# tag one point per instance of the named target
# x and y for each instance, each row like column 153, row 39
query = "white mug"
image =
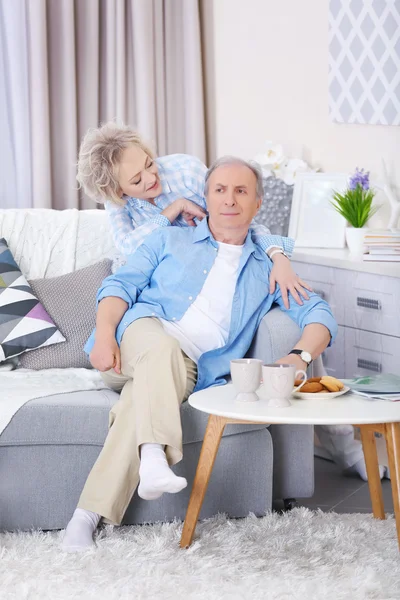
column 278, row 383
column 246, row 378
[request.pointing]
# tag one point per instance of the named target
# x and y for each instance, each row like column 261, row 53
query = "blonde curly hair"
column 99, row 158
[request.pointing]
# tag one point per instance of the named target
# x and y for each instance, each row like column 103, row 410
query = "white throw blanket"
column 48, row 243
column 20, row 386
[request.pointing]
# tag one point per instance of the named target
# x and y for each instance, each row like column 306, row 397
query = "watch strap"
column 299, row 352
column 278, row 251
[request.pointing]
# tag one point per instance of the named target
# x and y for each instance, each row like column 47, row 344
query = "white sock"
column 155, row 475
column 361, row 469
column 79, row 532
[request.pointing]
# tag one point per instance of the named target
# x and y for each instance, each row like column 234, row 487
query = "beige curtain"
column 94, row 60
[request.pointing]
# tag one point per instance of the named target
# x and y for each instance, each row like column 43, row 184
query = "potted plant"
column 355, row 205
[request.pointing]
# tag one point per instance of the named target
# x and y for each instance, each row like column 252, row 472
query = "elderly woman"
column 142, row 193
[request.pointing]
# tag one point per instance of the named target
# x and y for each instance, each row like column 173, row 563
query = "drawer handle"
column 320, row 293
column 369, row 303
column 370, row 365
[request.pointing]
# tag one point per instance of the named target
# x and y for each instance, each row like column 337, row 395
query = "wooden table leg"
column 372, row 464
column 392, row 435
column 209, row 449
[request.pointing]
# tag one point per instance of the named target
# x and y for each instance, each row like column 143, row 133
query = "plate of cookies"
column 323, row 388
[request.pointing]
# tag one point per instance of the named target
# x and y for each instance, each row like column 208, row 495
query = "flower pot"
column 355, row 240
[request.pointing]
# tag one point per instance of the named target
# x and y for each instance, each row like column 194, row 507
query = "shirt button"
column 174, row 318
column 190, row 297
column 153, row 314
column 204, row 271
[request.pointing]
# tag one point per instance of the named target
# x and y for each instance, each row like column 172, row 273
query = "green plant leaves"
column 355, row 205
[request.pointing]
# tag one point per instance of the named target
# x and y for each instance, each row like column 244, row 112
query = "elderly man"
column 169, row 322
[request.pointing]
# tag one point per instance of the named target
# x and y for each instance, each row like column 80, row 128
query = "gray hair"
column 99, row 158
column 233, row 160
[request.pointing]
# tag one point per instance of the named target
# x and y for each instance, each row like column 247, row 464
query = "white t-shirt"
column 206, row 323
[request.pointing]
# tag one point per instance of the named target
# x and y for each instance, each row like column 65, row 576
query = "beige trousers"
column 156, row 378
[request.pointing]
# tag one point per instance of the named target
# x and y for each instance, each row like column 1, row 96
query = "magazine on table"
column 380, row 387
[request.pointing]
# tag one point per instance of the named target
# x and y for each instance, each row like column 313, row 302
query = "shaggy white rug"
column 300, row 555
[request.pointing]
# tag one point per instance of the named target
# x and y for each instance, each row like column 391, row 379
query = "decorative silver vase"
column 276, row 206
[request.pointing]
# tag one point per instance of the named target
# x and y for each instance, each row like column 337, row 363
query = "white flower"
column 279, row 169
column 266, row 172
column 274, row 162
column 272, row 155
column 292, row 167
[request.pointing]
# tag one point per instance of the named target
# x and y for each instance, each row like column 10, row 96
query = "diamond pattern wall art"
column 364, row 61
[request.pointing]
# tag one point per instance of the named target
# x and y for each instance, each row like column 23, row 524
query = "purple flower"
column 360, row 178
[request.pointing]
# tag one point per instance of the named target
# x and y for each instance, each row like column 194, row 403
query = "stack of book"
column 383, row 245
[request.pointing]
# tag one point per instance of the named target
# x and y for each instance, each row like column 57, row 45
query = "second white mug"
column 279, row 383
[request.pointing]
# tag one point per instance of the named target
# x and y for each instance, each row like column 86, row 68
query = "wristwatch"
column 304, row 355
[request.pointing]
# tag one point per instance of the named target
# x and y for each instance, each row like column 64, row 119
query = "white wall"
column 270, row 70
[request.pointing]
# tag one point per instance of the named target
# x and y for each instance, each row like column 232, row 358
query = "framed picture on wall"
column 313, row 221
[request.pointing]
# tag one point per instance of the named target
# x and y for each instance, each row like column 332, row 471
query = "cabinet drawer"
column 323, row 282
column 370, row 353
column 333, row 357
column 372, row 303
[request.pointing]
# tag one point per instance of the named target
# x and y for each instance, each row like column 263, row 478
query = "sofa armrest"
column 275, row 337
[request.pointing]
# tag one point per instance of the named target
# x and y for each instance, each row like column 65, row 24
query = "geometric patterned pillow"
column 24, row 323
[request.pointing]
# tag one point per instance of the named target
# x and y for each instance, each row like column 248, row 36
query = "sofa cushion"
column 81, row 418
column 71, row 301
column 24, row 323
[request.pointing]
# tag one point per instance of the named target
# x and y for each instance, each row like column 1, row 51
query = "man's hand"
column 283, row 274
column 293, row 359
column 188, row 209
column 106, row 354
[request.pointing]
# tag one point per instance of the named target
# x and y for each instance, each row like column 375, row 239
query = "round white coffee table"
column 371, row 416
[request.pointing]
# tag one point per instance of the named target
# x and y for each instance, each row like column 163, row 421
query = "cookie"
column 325, row 389
column 312, row 387
column 311, row 380
column 331, row 383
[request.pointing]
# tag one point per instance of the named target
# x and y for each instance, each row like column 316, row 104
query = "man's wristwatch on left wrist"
column 304, row 355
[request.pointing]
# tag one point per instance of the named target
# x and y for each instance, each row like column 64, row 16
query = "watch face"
column 306, row 356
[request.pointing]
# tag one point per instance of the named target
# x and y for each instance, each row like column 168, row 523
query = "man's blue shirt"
column 166, row 274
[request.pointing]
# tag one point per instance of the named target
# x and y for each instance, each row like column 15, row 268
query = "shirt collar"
column 163, row 178
column 203, row 232
column 137, row 202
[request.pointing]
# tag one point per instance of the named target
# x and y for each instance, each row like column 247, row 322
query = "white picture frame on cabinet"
column 314, row 223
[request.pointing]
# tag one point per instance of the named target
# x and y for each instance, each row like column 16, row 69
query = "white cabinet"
column 327, row 282
column 372, row 304
column 333, row 357
column 367, row 352
column 367, row 309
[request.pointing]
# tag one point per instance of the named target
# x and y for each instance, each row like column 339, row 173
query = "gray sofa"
column 48, row 449
column 50, row 445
